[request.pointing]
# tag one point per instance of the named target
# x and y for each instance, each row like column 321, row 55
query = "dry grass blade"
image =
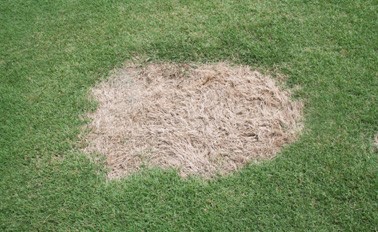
column 205, row 120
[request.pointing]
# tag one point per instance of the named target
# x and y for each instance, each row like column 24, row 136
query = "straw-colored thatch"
column 203, row 120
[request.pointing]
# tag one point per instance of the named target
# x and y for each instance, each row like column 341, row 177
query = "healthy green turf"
column 52, row 52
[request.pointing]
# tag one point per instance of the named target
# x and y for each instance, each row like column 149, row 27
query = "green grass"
column 52, row 52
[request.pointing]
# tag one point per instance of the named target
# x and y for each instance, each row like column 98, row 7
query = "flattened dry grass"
column 206, row 120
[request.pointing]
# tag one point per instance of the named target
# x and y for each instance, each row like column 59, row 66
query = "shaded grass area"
column 51, row 53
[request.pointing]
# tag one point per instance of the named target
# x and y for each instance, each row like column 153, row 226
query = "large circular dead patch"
column 203, row 120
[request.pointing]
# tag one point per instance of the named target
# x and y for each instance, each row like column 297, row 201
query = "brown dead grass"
column 203, row 120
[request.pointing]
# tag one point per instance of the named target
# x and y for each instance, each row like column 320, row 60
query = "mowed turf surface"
column 53, row 52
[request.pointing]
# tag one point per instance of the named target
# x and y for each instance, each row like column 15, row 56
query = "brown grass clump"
column 205, row 120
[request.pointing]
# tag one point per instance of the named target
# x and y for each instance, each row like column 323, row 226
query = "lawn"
column 53, row 52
